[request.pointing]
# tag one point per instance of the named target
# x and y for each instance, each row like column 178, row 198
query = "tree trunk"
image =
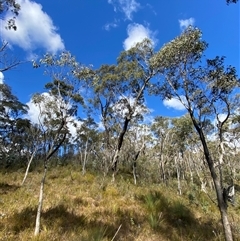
column 189, row 168
column 221, row 202
column 223, row 210
column 134, row 166
column 119, row 146
column 163, row 175
column 85, row 158
column 114, row 164
column 40, row 203
column 28, row 166
column 178, row 176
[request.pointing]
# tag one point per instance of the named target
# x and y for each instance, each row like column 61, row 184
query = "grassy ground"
column 91, row 208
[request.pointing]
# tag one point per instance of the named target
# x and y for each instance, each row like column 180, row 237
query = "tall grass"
column 91, row 207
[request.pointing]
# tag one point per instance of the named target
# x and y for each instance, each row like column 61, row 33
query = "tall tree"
column 120, row 92
column 86, row 140
column 206, row 91
column 162, row 134
column 11, row 121
column 57, row 108
column 32, row 137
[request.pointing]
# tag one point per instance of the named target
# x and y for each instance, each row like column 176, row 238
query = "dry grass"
column 91, row 208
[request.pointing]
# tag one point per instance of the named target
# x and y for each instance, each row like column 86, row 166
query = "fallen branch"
column 116, row 233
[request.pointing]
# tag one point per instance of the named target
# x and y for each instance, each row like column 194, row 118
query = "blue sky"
column 96, row 31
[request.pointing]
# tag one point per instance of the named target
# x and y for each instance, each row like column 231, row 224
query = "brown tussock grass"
column 91, row 207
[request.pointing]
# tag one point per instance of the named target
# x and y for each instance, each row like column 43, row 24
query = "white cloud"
column 34, row 114
column 174, row 103
column 35, row 29
column 137, row 33
column 221, row 118
column 128, row 7
column 34, row 110
column 184, row 23
column 1, row 78
column 121, row 107
column 113, row 24
column 151, row 8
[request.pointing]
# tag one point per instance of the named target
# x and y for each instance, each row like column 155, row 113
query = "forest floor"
column 91, row 208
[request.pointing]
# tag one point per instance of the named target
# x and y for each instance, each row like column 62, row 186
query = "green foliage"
column 186, row 48
column 96, row 234
column 155, row 204
column 12, row 126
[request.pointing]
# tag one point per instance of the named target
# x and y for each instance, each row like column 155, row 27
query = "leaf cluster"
column 14, row 7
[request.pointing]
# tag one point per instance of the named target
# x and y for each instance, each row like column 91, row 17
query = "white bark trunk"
column 28, row 166
column 114, row 164
column 178, row 176
column 85, row 158
column 40, row 204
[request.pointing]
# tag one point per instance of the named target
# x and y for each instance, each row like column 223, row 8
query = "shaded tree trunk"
column 218, row 188
column 119, row 146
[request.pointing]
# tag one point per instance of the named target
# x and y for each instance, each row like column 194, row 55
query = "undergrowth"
column 92, row 208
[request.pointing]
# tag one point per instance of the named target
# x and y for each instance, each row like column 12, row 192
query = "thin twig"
column 116, row 232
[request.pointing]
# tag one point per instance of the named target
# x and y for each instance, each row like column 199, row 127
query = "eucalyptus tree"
column 57, row 108
column 183, row 136
column 11, row 121
column 119, row 94
column 104, row 92
column 86, row 139
column 162, row 134
column 206, row 89
column 141, row 141
column 173, row 136
column 133, row 155
column 230, row 139
column 32, row 137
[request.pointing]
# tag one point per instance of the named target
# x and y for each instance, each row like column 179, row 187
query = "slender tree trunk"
column 189, row 168
column 163, row 171
column 178, row 176
column 85, row 158
column 135, row 171
column 40, row 203
column 114, row 164
column 134, row 166
column 28, row 166
column 203, row 183
column 51, row 151
column 161, row 163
